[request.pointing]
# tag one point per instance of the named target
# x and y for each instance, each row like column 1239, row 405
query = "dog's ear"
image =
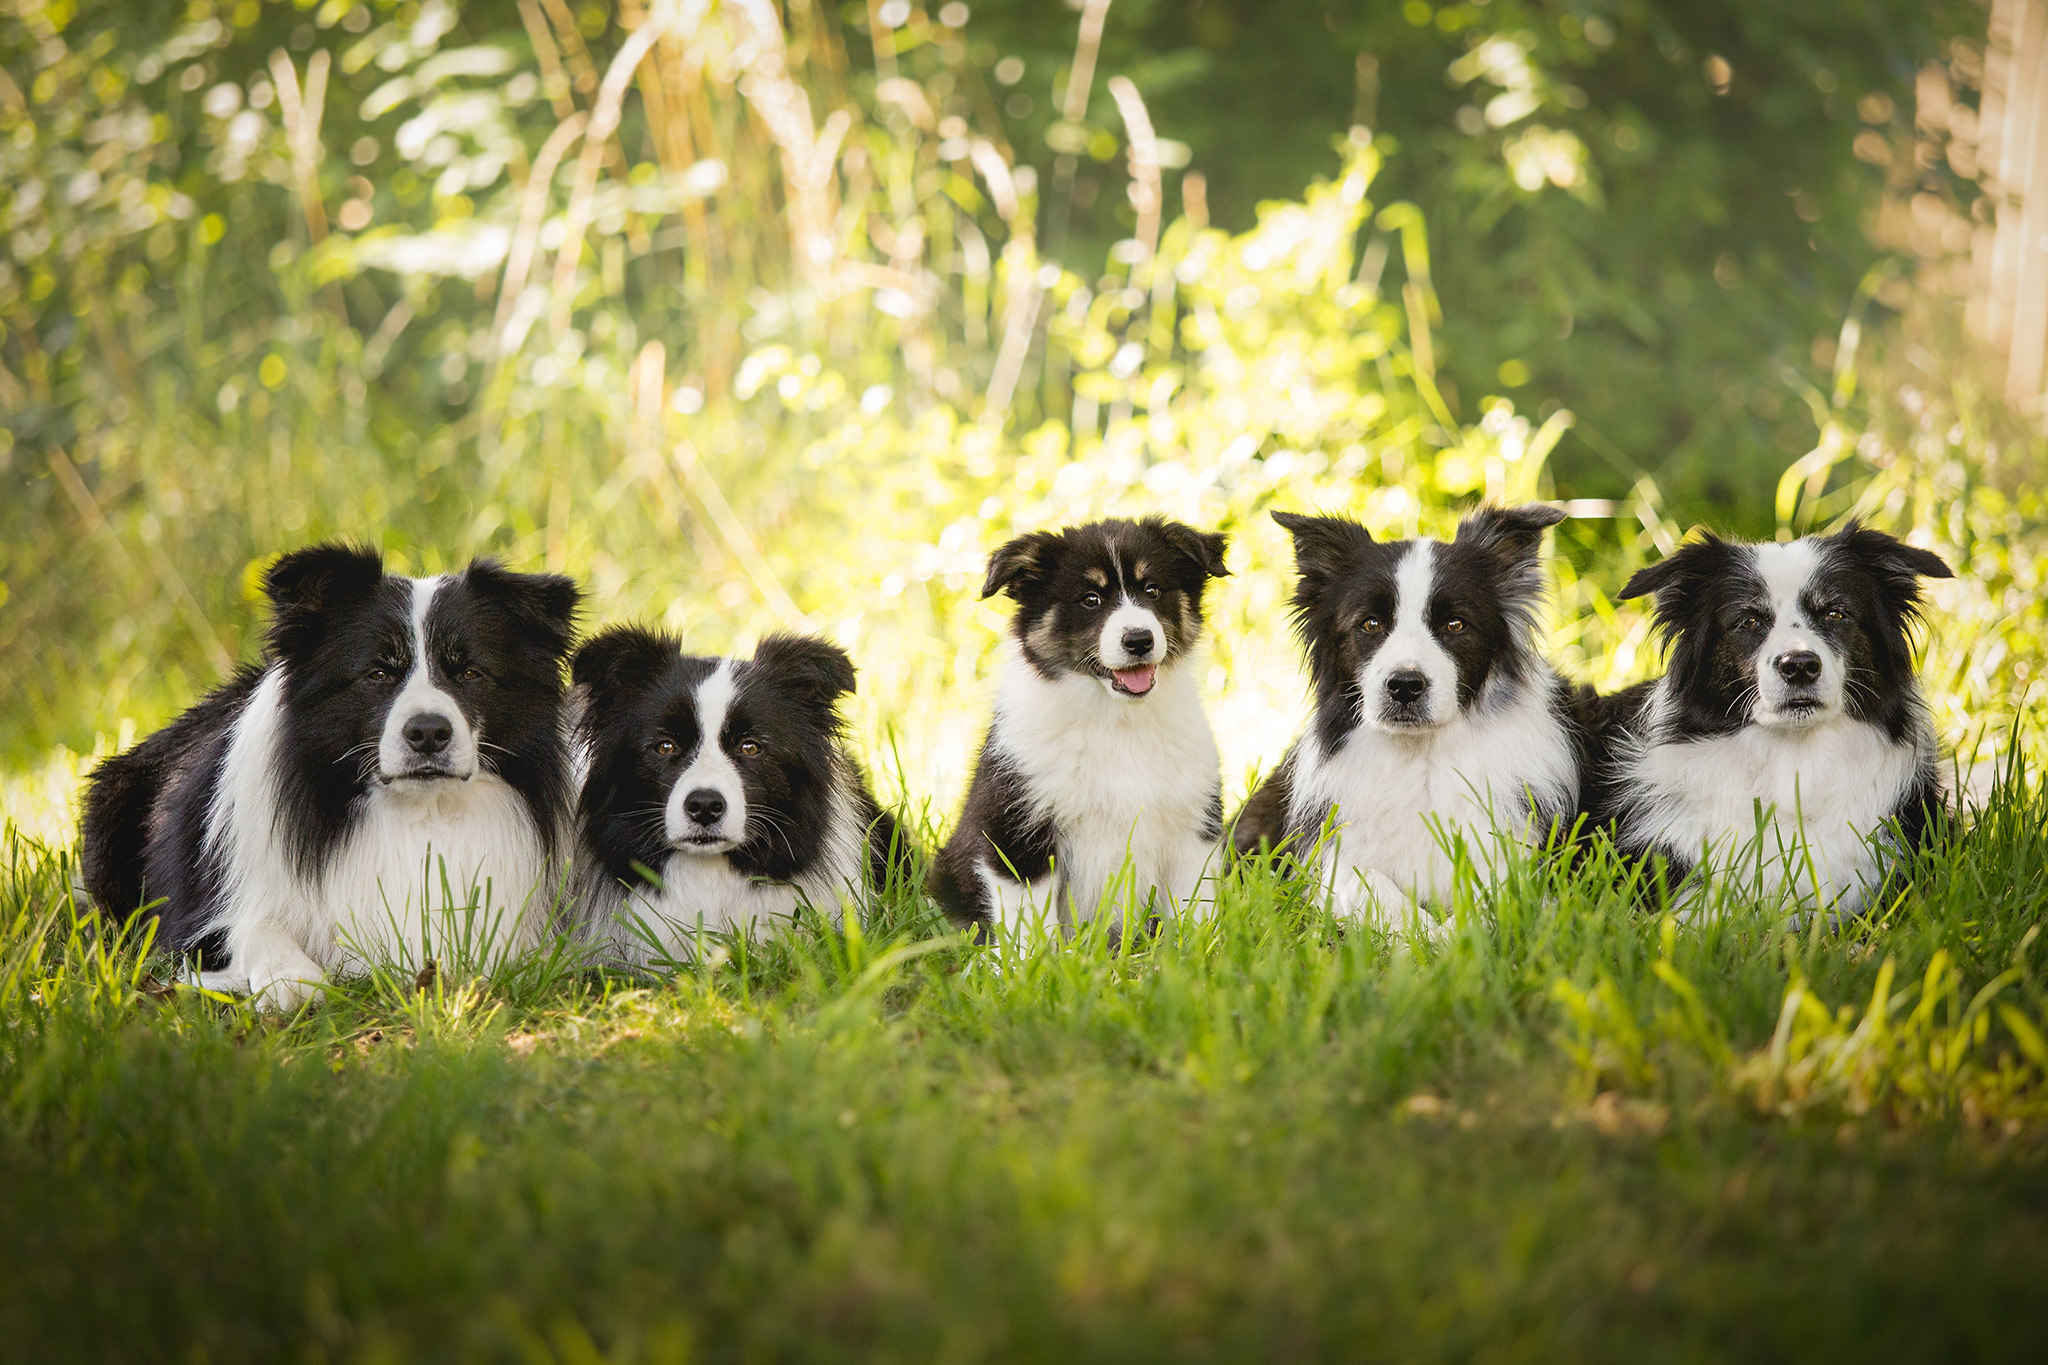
column 543, row 605
column 306, row 586
column 1893, row 565
column 1679, row 569
column 1516, row 532
column 620, row 658
column 1205, row 548
column 1322, row 545
column 816, row 670
column 1017, row 562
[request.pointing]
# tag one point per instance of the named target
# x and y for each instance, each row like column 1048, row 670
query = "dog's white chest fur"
column 1824, row 791
column 454, row 870
column 1119, row 779
column 704, row 892
column 1481, row 770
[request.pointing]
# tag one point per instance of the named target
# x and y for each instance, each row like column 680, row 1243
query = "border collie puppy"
column 719, row 792
column 1790, row 689
column 1099, row 752
column 401, row 745
column 1433, row 710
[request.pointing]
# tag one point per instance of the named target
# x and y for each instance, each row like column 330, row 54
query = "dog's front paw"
column 282, row 985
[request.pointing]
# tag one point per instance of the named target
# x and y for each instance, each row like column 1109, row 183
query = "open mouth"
column 1134, row 682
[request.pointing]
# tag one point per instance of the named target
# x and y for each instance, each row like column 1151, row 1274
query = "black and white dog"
column 1099, row 754
column 398, row 757
column 719, row 793
column 1791, row 691
column 1435, row 716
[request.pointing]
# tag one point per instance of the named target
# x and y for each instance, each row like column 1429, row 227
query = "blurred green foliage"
column 743, row 313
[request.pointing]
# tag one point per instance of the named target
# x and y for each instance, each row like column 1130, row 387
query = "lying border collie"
column 399, row 754
column 1433, row 709
column 1099, row 751
column 1790, row 689
column 720, row 792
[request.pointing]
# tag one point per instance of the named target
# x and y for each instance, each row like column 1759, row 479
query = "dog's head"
column 1112, row 600
column 706, row 756
column 410, row 682
column 1402, row 635
column 1787, row 635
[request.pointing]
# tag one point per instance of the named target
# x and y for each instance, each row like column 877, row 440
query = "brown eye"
column 1091, row 600
column 1454, row 626
column 665, row 747
column 1372, row 625
column 472, row 674
column 1835, row 614
column 377, row 675
column 1151, row 590
column 748, row 748
column 1749, row 623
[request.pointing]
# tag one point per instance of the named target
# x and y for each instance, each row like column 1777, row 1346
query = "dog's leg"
column 1020, row 910
column 279, row 974
column 1192, row 872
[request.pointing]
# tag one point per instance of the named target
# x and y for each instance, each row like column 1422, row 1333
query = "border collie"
column 1099, row 753
column 1435, row 717
column 720, row 793
column 1790, row 698
column 398, row 756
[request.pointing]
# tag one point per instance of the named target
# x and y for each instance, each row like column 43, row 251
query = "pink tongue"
column 1135, row 680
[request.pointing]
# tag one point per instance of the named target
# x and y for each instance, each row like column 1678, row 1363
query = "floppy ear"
column 1516, row 532
column 306, row 586
column 1322, row 545
column 1204, row 547
column 1896, row 566
column 1016, row 563
column 620, row 658
column 543, row 604
column 1677, row 569
column 816, row 670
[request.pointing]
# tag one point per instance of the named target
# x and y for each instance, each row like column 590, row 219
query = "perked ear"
column 1516, row 532
column 1016, row 563
column 1204, row 547
column 544, row 604
column 306, row 586
column 620, row 658
column 1322, row 545
column 816, row 670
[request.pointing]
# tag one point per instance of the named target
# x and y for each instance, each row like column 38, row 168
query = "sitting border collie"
column 1099, row 752
column 1433, row 710
column 1790, row 691
column 720, row 792
column 398, row 755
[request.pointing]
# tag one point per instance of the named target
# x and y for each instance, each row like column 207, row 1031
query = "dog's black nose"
column 428, row 733
column 1800, row 667
column 704, row 806
column 1138, row 642
column 1407, row 686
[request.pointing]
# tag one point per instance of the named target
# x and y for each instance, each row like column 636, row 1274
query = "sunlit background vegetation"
column 753, row 315
column 757, row 315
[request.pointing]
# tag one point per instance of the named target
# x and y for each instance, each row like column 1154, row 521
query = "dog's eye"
column 1749, row 623
column 665, row 747
column 1151, row 590
column 472, row 673
column 379, row 674
column 1454, row 626
column 1091, row 600
column 1372, row 625
column 748, row 748
column 1834, row 614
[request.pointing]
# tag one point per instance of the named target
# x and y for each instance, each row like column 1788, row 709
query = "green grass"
column 1267, row 1138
